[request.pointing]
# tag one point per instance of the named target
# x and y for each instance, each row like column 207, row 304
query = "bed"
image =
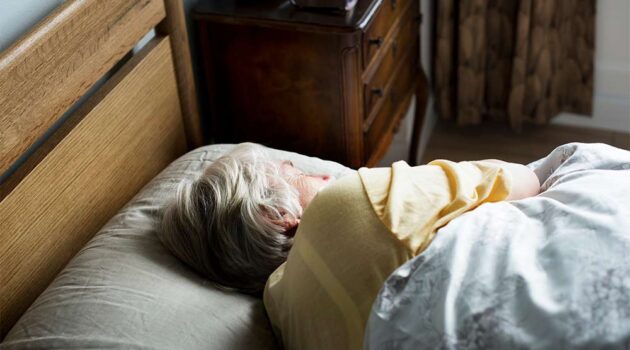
column 94, row 136
column 545, row 272
column 84, row 178
column 69, row 163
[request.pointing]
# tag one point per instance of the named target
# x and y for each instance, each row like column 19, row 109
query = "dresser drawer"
column 375, row 34
column 406, row 36
column 249, row 80
column 398, row 88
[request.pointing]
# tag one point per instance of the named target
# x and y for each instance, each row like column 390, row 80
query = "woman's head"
column 234, row 223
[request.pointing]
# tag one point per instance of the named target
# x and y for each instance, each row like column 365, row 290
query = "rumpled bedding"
column 547, row 272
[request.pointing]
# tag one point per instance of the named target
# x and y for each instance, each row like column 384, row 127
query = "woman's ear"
column 287, row 222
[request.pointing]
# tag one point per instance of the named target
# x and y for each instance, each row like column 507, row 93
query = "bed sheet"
column 547, row 272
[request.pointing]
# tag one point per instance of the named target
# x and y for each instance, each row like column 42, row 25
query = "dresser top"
column 284, row 12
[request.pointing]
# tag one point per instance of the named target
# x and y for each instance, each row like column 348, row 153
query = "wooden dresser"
column 331, row 85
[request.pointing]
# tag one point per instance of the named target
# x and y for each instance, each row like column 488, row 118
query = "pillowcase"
column 124, row 290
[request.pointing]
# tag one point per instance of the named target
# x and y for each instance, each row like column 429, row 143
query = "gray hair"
column 225, row 224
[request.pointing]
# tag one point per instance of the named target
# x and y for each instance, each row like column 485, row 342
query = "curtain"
column 513, row 60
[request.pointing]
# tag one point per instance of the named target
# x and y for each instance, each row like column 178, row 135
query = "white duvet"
column 548, row 272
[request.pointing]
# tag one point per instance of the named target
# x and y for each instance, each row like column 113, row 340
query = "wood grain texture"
column 382, row 145
column 314, row 100
column 259, row 93
column 380, row 131
column 46, row 72
column 405, row 35
column 133, row 131
column 393, row 89
column 174, row 25
column 352, row 106
column 380, row 29
column 277, row 14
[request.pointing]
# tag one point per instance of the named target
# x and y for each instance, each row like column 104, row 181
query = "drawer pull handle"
column 378, row 41
column 394, row 3
column 378, row 92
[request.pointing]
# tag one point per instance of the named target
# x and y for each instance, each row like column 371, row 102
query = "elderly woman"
column 321, row 248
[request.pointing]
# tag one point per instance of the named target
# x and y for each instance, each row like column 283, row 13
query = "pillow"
column 125, row 290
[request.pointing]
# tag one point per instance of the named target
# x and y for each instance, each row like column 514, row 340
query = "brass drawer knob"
column 378, row 92
column 378, row 41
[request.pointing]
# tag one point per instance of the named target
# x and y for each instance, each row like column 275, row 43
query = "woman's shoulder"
column 343, row 191
column 342, row 201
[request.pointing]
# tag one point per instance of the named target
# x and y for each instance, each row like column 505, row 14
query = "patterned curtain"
column 514, row 60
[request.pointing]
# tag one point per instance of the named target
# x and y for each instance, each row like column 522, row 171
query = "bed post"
column 174, row 25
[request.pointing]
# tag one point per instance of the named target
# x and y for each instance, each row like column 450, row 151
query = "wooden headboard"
column 64, row 174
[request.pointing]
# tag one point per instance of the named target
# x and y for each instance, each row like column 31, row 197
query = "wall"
column 611, row 96
column 18, row 16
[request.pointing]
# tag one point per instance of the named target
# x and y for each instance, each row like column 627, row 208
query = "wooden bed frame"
column 63, row 178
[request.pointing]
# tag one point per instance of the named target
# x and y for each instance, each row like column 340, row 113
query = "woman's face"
column 307, row 185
